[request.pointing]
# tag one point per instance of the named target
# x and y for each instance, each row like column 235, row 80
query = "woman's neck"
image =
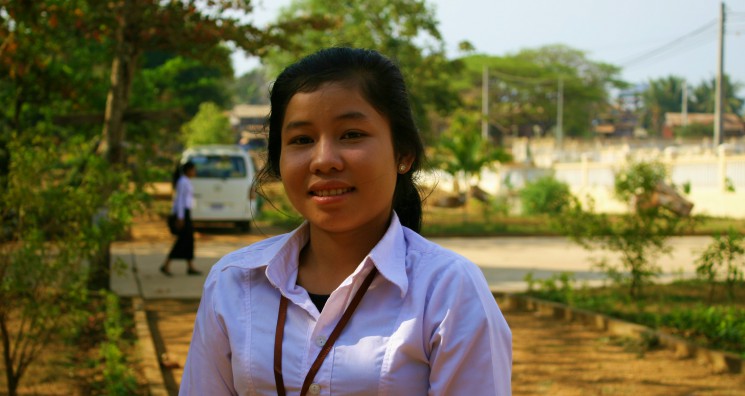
column 329, row 258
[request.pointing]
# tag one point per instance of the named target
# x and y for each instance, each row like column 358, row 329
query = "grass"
column 684, row 308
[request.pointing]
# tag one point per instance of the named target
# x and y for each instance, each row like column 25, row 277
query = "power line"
column 671, row 45
column 521, row 79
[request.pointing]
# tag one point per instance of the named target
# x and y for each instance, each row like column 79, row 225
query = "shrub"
column 723, row 258
column 639, row 236
column 545, row 196
column 54, row 226
column 118, row 378
column 721, row 327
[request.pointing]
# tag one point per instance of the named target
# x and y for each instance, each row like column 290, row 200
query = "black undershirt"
column 319, row 300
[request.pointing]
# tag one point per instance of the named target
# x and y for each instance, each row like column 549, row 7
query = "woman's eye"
column 300, row 140
column 352, row 135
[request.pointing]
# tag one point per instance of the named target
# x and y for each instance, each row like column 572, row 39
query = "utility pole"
column 560, row 115
column 684, row 105
column 719, row 99
column 485, row 104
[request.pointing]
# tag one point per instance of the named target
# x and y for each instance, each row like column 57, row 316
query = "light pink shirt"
column 427, row 325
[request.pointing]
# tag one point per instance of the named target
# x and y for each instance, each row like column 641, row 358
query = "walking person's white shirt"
column 184, row 198
column 427, row 325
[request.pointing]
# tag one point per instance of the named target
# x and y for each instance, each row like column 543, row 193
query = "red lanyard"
column 279, row 334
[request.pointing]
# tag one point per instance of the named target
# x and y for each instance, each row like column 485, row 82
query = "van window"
column 219, row 166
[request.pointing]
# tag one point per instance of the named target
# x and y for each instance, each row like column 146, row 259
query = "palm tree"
column 463, row 153
column 662, row 96
column 703, row 100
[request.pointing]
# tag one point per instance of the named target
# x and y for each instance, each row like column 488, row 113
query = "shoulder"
column 252, row 256
column 440, row 278
column 236, row 265
column 183, row 181
column 428, row 258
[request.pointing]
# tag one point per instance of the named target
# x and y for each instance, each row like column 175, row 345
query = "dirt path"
column 553, row 357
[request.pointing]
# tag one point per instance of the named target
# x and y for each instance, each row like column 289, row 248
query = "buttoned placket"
column 322, row 324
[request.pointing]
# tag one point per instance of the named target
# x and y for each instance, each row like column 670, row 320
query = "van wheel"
column 244, row 226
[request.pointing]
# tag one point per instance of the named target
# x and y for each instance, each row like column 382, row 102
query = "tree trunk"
column 10, row 375
column 122, row 73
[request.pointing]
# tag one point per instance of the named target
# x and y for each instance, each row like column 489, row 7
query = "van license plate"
column 216, row 206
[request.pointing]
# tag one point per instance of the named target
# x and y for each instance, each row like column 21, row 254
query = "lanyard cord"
column 279, row 335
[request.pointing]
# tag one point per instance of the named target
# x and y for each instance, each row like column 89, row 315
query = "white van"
column 223, row 185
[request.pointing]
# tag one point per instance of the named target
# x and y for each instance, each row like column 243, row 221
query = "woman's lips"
column 331, row 192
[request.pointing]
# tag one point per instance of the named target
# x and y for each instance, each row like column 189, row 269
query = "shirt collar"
column 388, row 256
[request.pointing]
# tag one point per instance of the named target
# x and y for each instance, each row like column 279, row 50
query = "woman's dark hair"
column 381, row 83
column 181, row 170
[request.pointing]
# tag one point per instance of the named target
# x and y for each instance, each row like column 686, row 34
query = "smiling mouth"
column 331, row 193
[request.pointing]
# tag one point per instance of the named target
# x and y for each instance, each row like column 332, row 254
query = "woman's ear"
column 404, row 163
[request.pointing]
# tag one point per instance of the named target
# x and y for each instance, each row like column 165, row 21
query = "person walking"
column 354, row 301
column 183, row 248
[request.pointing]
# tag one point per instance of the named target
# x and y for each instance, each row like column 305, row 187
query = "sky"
column 648, row 38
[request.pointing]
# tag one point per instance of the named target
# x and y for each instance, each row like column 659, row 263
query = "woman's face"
column 337, row 160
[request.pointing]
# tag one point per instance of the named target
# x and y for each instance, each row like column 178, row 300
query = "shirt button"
column 321, row 341
column 314, row 389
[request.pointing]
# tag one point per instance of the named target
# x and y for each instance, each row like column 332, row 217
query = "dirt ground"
column 550, row 356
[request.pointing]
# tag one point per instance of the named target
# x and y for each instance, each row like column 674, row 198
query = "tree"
column 723, row 258
column 463, row 153
column 251, row 88
column 44, row 247
column 404, row 30
column 46, row 68
column 638, row 236
column 209, row 126
column 180, row 27
column 174, row 82
column 662, row 95
column 523, row 88
column 704, row 97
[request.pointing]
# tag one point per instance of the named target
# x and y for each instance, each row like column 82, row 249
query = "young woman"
column 354, row 301
column 183, row 248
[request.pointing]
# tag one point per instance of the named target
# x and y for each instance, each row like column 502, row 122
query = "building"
column 248, row 121
column 733, row 124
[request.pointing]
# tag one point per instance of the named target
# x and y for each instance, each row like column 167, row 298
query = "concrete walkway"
column 504, row 260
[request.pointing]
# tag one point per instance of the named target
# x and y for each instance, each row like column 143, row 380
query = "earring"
column 402, row 168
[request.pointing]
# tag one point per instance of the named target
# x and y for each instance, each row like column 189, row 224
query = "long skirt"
column 183, row 248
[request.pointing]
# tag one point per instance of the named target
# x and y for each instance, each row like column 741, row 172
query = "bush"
column 695, row 130
column 723, row 258
column 53, row 198
column 639, row 237
column 545, row 196
column 118, row 378
column 721, row 327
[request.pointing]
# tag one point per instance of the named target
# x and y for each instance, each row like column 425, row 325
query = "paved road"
column 504, row 260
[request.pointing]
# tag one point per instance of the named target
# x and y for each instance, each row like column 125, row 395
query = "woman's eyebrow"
column 296, row 124
column 350, row 115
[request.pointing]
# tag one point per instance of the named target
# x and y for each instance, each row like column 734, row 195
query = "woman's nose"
column 326, row 157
